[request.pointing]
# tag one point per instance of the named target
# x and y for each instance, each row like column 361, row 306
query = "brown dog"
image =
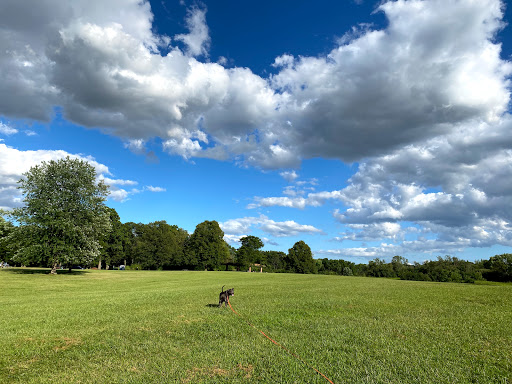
column 224, row 296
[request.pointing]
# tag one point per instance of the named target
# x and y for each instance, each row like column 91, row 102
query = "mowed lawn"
column 164, row 327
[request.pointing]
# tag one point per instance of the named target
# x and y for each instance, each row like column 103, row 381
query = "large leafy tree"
column 63, row 215
column 300, row 258
column 206, row 247
column 249, row 252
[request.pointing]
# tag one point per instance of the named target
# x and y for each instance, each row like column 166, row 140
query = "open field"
column 164, row 327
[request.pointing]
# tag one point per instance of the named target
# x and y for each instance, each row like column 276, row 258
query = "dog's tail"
column 222, row 290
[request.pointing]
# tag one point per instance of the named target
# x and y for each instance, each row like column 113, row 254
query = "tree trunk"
column 107, row 267
column 54, row 269
column 99, row 264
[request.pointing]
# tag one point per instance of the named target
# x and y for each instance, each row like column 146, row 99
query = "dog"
column 224, row 296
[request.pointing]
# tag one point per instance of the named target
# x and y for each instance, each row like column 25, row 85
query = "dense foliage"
column 63, row 215
column 249, row 252
column 498, row 268
column 300, row 259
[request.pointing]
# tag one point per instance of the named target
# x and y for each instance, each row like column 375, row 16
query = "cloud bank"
column 434, row 66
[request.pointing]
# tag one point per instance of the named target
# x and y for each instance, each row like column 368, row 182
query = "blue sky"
column 367, row 129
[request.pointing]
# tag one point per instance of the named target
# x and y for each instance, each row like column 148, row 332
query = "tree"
column 275, row 260
column 249, row 252
column 130, row 239
column 63, row 215
column 379, row 268
column 112, row 241
column 6, row 228
column 400, row 265
column 206, row 247
column 300, row 258
column 500, row 267
column 159, row 245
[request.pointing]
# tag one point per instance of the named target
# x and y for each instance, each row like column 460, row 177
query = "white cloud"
column 7, row 130
column 315, row 199
column 454, row 188
column 197, row 41
column 119, row 194
column 236, row 228
column 289, row 176
column 372, row 232
column 435, row 65
column 287, row 228
column 136, row 145
column 13, row 163
column 154, row 189
column 111, row 182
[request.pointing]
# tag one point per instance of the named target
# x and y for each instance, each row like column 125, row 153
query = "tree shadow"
column 38, row 271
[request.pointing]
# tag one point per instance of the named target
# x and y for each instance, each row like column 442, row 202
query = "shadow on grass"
column 34, row 271
column 212, row 305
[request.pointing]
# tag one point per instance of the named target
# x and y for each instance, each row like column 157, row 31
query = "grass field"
column 164, row 327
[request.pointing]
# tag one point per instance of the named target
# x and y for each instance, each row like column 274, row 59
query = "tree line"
column 443, row 269
column 65, row 223
column 161, row 246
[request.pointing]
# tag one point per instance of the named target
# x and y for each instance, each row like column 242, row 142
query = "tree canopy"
column 206, row 247
column 249, row 252
column 63, row 215
column 159, row 245
column 300, row 258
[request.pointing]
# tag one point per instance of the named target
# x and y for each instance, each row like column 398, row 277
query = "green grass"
column 163, row 327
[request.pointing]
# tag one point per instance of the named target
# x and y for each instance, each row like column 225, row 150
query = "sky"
column 364, row 128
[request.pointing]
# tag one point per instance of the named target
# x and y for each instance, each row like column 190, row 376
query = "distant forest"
column 161, row 246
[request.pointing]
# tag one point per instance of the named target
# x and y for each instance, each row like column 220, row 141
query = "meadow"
column 165, row 327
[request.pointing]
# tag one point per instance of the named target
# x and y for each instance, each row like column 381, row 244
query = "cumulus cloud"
column 430, row 247
column 446, row 193
column 13, row 163
column 371, row 232
column 314, row 199
column 435, row 65
column 236, row 228
column 453, row 187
